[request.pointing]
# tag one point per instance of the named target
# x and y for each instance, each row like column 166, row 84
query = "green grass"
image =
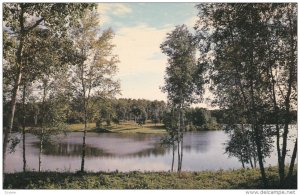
column 126, row 127
column 79, row 127
column 131, row 127
column 232, row 179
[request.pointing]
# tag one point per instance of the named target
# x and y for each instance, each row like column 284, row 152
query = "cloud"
column 141, row 60
column 139, row 49
column 142, row 64
column 114, row 9
column 120, row 9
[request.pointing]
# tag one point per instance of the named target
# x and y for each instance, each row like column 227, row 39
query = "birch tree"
column 93, row 76
column 180, row 85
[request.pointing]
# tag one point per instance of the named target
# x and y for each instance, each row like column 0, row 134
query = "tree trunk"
column 173, row 154
column 84, row 137
column 85, row 103
column 255, row 128
column 24, row 152
column 250, row 160
column 23, row 128
column 280, row 165
column 178, row 155
column 242, row 161
column 181, row 137
column 42, row 122
column 41, row 150
column 83, row 147
column 178, row 142
column 284, row 150
column 260, row 157
column 254, row 161
column 7, row 131
column 181, row 157
column 287, row 119
column 276, row 111
column 291, row 168
column 253, row 110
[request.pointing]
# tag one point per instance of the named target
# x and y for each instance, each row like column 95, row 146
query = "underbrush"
column 231, row 179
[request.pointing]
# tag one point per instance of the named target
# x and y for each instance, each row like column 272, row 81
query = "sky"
column 139, row 30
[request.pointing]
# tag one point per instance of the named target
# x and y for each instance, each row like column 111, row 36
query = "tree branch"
column 35, row 25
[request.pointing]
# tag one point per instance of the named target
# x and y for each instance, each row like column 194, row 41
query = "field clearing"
column 124, row 127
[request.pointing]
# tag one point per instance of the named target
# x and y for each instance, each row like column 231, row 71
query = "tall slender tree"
column 93, row 76
column 180, row 85
column 281, row 68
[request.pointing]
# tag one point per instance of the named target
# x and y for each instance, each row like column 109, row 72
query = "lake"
column 127, row 152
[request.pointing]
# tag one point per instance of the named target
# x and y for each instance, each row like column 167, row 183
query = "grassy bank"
column 79, row 127
column 126, row 127
column 233, row 179
column 135, row 128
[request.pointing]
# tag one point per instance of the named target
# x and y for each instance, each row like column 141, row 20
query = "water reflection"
column 200, row 142
column 69, row 149
column 75, row 150
column 127, row 152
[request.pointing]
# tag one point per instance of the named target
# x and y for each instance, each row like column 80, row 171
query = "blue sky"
column 139, row 29
column 158, row 15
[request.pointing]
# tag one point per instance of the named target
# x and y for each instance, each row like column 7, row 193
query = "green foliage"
column 180, row 48
column 94, row 74
column 38, row 31
column 56, row 16
column 92, row 78
column 250, row 52
column 31, row 27
column 232, row 179
column 118, row 110
column 106, row 113
column 197, row 116
column 183, row 80
column 14, row 142
column 139, row 114
column 197, row 119
column 201, row 119
column 55, row 115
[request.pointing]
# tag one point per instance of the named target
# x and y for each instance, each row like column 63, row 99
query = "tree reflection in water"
column 112, row 151
column 73, row 149
column 124, row 146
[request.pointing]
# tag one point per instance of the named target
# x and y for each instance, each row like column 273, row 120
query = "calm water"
column 123, row 152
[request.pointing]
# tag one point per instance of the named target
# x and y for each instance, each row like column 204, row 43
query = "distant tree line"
column 108, row 111
column 104, row 110
column 119, row 110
